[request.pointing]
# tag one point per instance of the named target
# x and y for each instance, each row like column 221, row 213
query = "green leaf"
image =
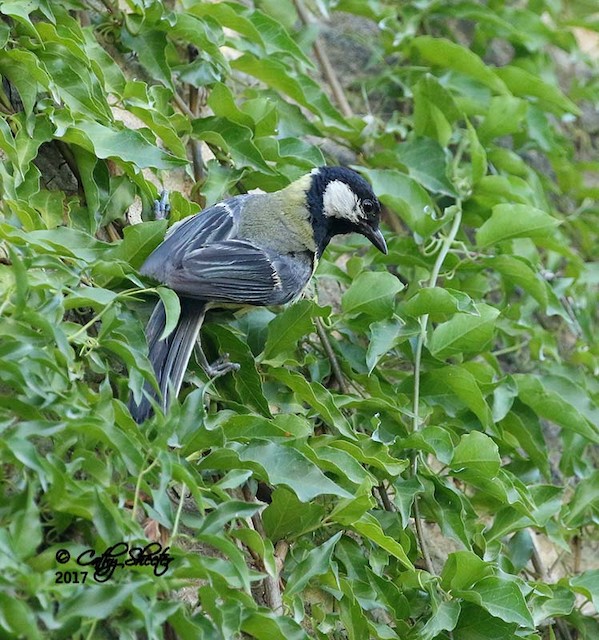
column 372, row 293
column 476, row 455
column 445, row 618
column 449, row 55
column 502, row 598
column 121, row 145
column 279, row 465
column 369, row 527
column 426, row 162
column 316, row 562
column 26, row 73
column 510, row 221
column 267, row 625
column 477, row 624
column 464, row 333
column 405, row 196
column 518, row 272
column 437, row 301
column 94, row 297
column 297, row 86
column 139, row 240
column 506, row 115
column 560, row 400
column 434, row 110
column 523, row 83
column 288, row 517
column 96, row 601
column 247, row 381
column 319, row 398
column 17, row 618
column 25, row 527
column 587, row 583
column 462, row 570
column 293, row 324
column 232, row 138
column 457, row 382
column 150, row 45
column 172, row 308
column 384, row 335
column 583, row 508
column 478, row 155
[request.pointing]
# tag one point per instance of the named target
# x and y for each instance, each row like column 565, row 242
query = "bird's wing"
column 214, row 224
column 201, row 258
column 233, row 271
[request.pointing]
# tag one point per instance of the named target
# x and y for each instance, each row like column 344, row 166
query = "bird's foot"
column 162, row 207
column 222, row 366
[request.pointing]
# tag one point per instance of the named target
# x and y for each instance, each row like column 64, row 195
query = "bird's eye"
column 368, row 207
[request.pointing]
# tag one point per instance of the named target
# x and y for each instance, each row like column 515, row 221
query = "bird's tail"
column 169, row 357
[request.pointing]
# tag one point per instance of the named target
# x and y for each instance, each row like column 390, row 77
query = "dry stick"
column 325, row 64
column 385, row 498
column 272, row 589
column 195, row 105
column 324, row 339
column 183, row 106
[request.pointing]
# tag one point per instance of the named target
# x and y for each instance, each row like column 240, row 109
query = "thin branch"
column 326, row 344
column 325, row 64
column 272, row 587
column 183, row 106
column 195, row 105
column 424, row 319
column 421, row 539
column 385, row 498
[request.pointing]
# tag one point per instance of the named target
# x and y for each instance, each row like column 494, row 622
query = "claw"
column 222, row 366
column 162, row 207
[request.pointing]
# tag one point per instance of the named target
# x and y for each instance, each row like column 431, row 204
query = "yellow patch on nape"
column 339, row 201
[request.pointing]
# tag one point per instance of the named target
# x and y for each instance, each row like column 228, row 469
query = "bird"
column 256, row 249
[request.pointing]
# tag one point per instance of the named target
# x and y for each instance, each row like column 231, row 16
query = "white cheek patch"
column 339, row 201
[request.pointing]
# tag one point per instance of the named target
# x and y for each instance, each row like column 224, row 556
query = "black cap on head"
column 342, row 201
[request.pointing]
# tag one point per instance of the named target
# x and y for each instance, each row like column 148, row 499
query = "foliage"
column 464, row 424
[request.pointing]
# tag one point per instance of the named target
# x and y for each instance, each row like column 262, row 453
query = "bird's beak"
column 375, row 236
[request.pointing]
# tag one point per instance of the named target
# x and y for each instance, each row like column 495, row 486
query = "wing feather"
column 234, row 271
column 201, row 258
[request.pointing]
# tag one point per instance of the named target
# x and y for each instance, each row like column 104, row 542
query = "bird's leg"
column 162, row 207
column 218, row 368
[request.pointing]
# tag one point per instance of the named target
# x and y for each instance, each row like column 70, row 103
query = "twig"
column 385, row 498
column 183, row 106
column 113, row 234
column 325, row 64
column 326, row 344
column 424, row 319
column 421, row 539
column 272, row 587
column 195, row 104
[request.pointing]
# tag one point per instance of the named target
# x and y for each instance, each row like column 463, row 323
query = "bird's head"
column 341, row 201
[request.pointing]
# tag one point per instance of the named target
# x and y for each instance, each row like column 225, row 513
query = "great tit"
column 254, row 249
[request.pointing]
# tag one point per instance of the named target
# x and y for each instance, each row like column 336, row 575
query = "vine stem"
column 445, row 247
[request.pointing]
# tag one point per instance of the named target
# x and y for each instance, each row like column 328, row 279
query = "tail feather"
column 169, row 357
